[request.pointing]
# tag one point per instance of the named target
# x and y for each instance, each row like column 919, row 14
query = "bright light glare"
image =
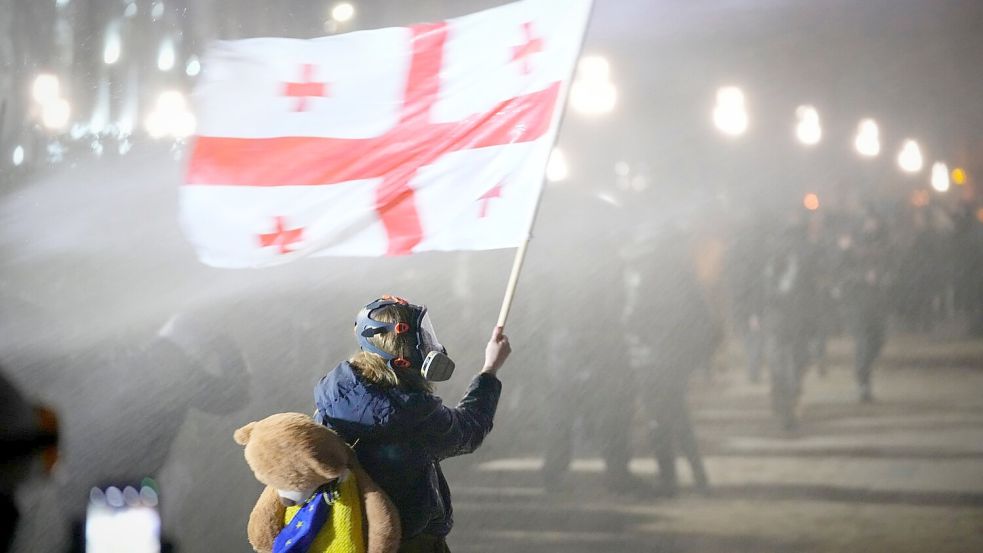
column 156, row 125
column 136, row 530
column 593, row 98
column 940, row 176
column 608, row 199
column 124, row 127
column 910, row 157
column 77, row 131
column 171, row 101
column 811, row 201
column 868, row 140
column 808, row 130
column 113, row 47
column 193, row 66
column 730, row 113
column 730, row 96
column 165, row 56
column 170, row 117
column 342, row 12
column 959, row 176
column 46, row 88
column 592, row 93
column 594, row 68
column 18, row 156
column 55, row 114
column 157, row 11
column 556, row 168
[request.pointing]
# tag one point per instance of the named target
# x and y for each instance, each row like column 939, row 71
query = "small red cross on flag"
column 487, row 197
column 532, row 45
column 306, row 88
column 281, row 237
column 415, row 124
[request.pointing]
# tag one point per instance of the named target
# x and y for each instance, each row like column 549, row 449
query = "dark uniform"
column 790, row 318
column 590, row 389
column 673, row 322
column 865, row 280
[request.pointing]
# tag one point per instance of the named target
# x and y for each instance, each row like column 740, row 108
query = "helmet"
column 428, row 353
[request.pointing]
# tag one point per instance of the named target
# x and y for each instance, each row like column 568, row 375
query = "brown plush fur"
column 289, row 451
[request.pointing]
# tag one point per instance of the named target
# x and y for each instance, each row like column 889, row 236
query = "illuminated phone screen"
column 122, row 521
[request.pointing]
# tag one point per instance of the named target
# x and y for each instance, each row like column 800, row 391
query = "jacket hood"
column 359, row 409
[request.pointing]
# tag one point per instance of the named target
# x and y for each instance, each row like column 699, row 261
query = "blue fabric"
column 401, row 437
column 298, row 536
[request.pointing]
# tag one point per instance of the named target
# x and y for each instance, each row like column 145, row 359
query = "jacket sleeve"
column 447, row 432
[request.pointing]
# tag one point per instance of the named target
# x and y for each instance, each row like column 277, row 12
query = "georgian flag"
column 382, row 142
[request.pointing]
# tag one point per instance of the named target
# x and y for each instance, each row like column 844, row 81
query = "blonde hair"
column 375, row 369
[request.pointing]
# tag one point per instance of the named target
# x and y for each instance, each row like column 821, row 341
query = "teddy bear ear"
column 241, row 436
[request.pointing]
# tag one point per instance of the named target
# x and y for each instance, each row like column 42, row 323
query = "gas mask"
column 428, row 353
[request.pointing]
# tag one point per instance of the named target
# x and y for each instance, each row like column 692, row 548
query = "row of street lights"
column 730, row 116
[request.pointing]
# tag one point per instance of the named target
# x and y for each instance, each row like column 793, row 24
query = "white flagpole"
column 520, row 253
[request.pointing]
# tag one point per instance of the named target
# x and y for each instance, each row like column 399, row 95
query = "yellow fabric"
column 342, row 533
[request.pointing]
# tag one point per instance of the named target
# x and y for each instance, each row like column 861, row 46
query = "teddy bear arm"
column 266, row 521
column 381, row 518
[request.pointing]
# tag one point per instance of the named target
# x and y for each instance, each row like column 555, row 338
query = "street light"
column 165, row 56
column 808, row 130
column 959, row 176
column 18, row 155
column 940, row 176
column 593, row 93
column 54, row 114
column 193, row 67
column 730, row 113
column 556, row 167
column 45, row 89
column 811, row 201
column 910, row 157
column 343, row 12
column 868, row 139
column 171, row 117
column 113, row 47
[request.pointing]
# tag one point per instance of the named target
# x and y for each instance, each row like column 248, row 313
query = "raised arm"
column 460, row 430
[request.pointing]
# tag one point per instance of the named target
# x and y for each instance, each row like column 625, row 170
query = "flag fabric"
column 382, row 142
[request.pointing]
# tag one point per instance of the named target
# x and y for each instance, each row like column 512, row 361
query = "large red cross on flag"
column 382, row 142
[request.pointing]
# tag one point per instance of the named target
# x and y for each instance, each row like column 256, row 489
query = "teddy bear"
column 317, row 495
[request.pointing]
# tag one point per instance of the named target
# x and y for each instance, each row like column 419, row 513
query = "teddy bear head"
column 293, row 454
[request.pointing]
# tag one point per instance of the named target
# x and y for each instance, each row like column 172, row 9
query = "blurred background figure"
column 590, row 382
column 865, row 281
column 28, row 449
column 790, row 317
column 745, row 272
column 671, row 321
column 120, row 427
column 820, row 249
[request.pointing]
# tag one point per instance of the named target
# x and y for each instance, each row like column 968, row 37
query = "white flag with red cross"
column 382, row 142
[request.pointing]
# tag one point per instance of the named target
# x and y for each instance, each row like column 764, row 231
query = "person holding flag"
column 431, row 137
column 382, row 403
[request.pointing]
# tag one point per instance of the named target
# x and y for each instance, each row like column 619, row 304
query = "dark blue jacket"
column 401, row 437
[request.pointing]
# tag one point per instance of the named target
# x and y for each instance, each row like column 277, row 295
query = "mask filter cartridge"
column 437, row 367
